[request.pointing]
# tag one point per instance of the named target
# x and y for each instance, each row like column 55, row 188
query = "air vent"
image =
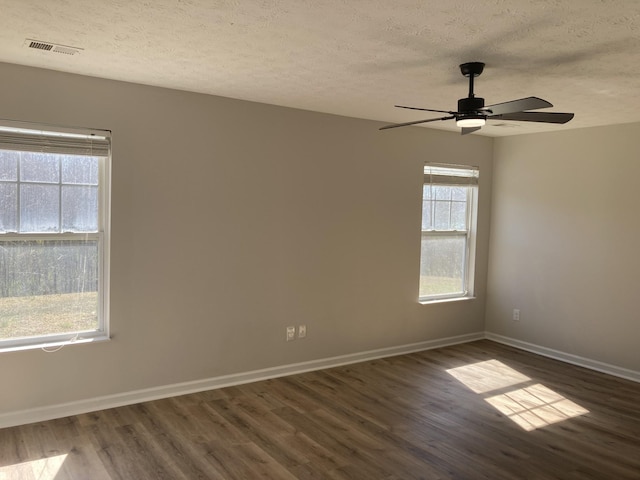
column 51, row 47
column 40, row 45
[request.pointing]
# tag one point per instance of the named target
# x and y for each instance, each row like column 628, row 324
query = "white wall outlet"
column 516, row 314
column 302, row 331
column 291, row 333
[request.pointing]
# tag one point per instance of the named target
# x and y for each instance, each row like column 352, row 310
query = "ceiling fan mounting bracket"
column 472, row 69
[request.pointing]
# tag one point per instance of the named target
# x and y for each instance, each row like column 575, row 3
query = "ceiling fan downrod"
column 471, row 103
column 471, row 70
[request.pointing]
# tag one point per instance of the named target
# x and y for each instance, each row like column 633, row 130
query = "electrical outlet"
column 302, row 331
column 516, row 314
column 291, row 333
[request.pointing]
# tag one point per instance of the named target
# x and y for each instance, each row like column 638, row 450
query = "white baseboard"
column 566, row 357
column 51, row 412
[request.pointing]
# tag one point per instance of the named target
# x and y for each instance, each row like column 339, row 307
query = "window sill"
column 51, row 347
column 445, row 300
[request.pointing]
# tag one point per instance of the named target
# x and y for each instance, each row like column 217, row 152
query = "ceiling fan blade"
column 544, row 117
column 425, row 109
column 529, row 103
column 467, row 130
column 396, row 125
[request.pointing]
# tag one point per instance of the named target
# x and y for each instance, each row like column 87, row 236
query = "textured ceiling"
column 351, row 57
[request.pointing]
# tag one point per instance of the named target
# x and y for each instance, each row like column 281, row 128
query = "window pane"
column 79, row 209
column 8, row 207
column 442, row 193
column 459, row 194
column 442, row 265
column 427, row 220
column 427, row 191
column 459, row 215
column 442, row 214
column 77, row 169
column 448, row 212
column 9, row 165
column 39, row 208
column 48, row 287
column 39, row 167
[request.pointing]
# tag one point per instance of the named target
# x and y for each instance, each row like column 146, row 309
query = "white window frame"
column 455, row 175
column 22, row 136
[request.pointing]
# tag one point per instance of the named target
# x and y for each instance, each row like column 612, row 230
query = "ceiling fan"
column 472, row 113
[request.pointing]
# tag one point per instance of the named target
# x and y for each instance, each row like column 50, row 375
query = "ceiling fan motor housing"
column 470, row 105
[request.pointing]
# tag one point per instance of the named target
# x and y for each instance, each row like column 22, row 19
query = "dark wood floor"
column 474, row 411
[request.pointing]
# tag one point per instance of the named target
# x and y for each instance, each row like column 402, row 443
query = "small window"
column 54, row 216
column 449, row 210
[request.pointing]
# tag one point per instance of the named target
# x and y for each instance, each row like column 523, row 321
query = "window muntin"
column 448, row 232
column 54, row 212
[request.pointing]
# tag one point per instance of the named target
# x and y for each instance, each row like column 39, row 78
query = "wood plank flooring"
column 475, row 411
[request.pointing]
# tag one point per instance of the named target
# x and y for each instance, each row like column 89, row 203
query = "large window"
column 449, row 206
column 54, row 218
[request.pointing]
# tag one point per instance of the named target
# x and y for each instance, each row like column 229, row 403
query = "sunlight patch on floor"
column 487, row 376
column 529, row 404
column 41, row 469
column 535, row 406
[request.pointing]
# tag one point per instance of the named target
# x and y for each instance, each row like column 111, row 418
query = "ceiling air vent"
column 51, row 47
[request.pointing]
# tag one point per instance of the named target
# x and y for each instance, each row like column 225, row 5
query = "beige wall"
column 232, row 220
column 565, row 230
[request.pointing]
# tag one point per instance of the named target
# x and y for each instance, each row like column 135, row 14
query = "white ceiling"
column 351, row 57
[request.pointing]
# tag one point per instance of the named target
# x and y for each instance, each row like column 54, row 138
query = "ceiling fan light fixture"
column 471, row 121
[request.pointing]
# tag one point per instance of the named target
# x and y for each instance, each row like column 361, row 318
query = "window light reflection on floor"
column 41, row 469
column 529, row 404
column 487, row 376
column 535, row 406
